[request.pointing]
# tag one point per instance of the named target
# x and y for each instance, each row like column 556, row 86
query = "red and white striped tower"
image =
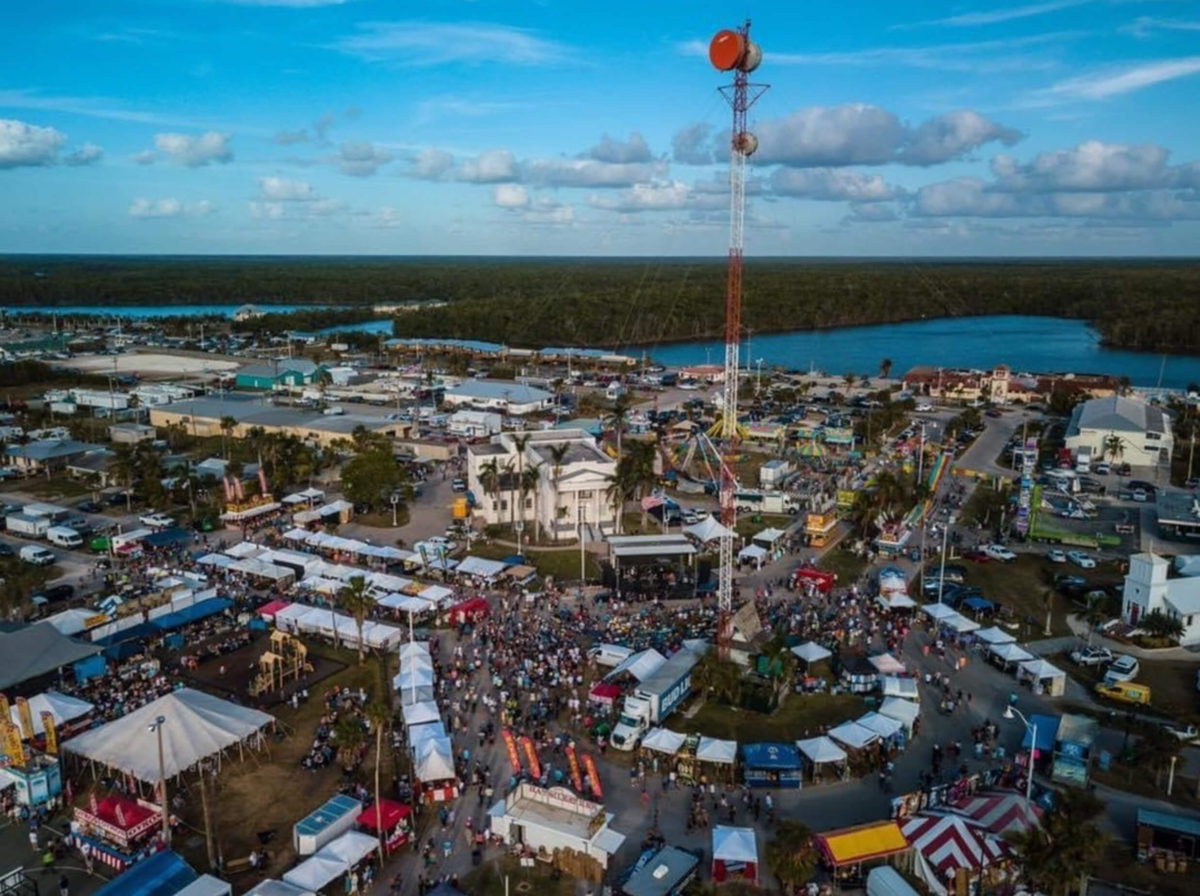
column 733, row 51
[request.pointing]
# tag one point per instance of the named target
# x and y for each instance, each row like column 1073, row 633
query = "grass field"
column 506, row 877
column 799, row 716
column 562, row 563
column 846, row 564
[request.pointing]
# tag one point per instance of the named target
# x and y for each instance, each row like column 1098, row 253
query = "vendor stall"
column 891, row 730
column 994, row 635
column 667, row 872
column 849, row 852
column 853, row 735
column 36, row 781
column 886, row 664
column 663, row 740
column 330, row 820
column 903, row 711
column 116, row 831
column 950, row 853
column 391, row 821
column 1045, row 678
column 771, row 765
column 1009, row 653
column 820, row 751
column 469, row 611
column 735, row 853
column 164, row 874
column 810, row 652
column 337, row 858
column 605, row 694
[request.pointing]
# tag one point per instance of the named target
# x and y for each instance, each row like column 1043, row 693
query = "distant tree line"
column 1146, row 305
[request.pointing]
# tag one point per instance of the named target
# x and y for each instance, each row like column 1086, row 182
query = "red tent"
column 393, row 822
column 605, row 692
column 822, row 580
column 469, row 610
column 268, row 611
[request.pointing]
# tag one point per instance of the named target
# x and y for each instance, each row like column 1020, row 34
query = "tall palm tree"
column 792, row 855
column 228, row 425
column 1066, row 845
column 379, row 715
column 639, row 472
column 520, row 443
column 349, row 735
column 489, row 478
column 617, row 493
column 558, row 454
column 1114, row 447
column 528, row 484
column 618, row 418
column 355, row 600
column 885, row 367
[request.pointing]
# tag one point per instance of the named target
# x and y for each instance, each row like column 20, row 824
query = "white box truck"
column 654, row 699
column 26, row 525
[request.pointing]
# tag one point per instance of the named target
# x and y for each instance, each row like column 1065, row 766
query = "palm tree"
column 1114, row 447
column 885, row 367
column 1066, row 844
column 349, row 735
column 489, row 478
column 557, row 386
column 849, row 377
column 124, row 466
column 618, row 493
column 1158, row 624
column 639, row 472
column 618, row 417
column 792, row 855
column 521, row 442
column 1094, row 615
column 228, row 424
column 558, row 453
column 719, row 677
column 355, row 600
column 528, row 484
column 379, row 715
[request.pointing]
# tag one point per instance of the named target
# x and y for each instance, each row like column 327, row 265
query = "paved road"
column 984, row 452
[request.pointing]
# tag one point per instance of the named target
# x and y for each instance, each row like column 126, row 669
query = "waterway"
column 1026, row 344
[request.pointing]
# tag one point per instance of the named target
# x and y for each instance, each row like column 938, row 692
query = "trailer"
column 655, row 699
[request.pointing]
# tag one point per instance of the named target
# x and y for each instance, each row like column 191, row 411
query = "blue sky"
column 1061, row 127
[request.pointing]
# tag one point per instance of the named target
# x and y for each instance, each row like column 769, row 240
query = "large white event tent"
column 853, row 735
column 811, row 652
column 420, row 713
column 712, row 749
column 1010, row 652
column 413, row 649
column 994, row 635
column 903, row 711
column 332, row 861
column 60, row 706
column 708, row 529
column 197, row 726
column 433, row 759
column 413, row 676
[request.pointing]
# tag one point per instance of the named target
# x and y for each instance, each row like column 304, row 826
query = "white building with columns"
column 1149, row 588
column 567, row 493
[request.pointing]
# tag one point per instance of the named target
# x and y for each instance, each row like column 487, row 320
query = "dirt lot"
column 241, row 667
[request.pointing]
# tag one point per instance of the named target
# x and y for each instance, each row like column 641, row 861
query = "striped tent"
column 947, row 843
column 999, row 813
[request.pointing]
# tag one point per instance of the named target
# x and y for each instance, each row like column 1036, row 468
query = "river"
column 1026, row 344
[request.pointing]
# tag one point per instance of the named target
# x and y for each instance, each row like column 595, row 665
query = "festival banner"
column 535, row 767
column 10, row 744
column 25, row 714
column 513, row 756
column 573, row 762
column 5, row 713
column 51, row 733
column 593, row 778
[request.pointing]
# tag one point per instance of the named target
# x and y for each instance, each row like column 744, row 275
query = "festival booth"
column 752, row 553
column 810, row 653
column 206, row 885
column 116, row 831
column 859, row 676
column 735, row 854
column 605, row 693
column 820, row 751
column 559, row 827
column 950, row 854
column 271, row 887
column 902, row 688
column 717, row 752
column 994, row 635
column 903, row 711
column 887, row 665
column 1002, row 814
column 433, row 767
column 421, row 713
column 1009, row 653
column 889, row 730
column 663, row 740
column 36, row 780
column 849, row 852
column 337, row 858
column 390, row 821
column 821, row 579
column 1045, row 678
column 163, row 874
column 667, row 872
column 330, row 820
column 771, row 765
column 63, row 709
column 481, row 568
column 471, row 610
column 267, row 611
column 414, row 676
column 853, row 735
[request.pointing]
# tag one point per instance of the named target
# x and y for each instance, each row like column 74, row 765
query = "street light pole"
column 1012, row 712
column 942, row 572
column 156, row 728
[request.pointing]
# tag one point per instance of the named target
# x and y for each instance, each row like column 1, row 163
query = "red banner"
column 593, row 778
column 573, row 762
column 535, row 767
column 513, row 756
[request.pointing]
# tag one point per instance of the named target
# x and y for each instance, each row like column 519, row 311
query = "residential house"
column 284, row 372
column 1149, row 589
column 46, row 455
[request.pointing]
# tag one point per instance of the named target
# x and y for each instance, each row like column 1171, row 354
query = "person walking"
column 64, row 886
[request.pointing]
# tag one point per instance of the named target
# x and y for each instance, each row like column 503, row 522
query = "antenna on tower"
column 732, row 50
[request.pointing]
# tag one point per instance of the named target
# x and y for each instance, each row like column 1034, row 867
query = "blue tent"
column 141, row 630
column 124, row 650
column 194, row 613
column 1047, row 732
column 771, row 765
column 978, row 604
column 164, row 537
column 92, row 667
column 162, row 874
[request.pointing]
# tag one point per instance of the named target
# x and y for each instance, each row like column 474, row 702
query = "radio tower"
column 733, row 51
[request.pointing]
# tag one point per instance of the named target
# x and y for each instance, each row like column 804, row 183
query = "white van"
column 609, row 654
column 37, row 555
column 64, row 537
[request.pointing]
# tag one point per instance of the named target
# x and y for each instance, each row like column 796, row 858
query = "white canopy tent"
column 420, row 713
column 938, row 611
column 60, row 706
column 887, row 664
column 71, row 622
column 413, row 649
column 196, row 726
column 959, row 623
column 768, row 536
column 433, row 760
column 436, row 594
column 418, row 734
column 811, row 652
column 752, row 553
column 994, row 635
column 352, row 847
column 1046, row 676
column 895, row 600
column 317, row 871
column 711, row 749
column 903, row 711
column 406, row 603
column 708, row 529
column 409, row 696
column 480, row 567
column 894, row 686
column 640, row 665
column 271, row 887
column 884, row 726
column 663, row 740
column 732, row 844
column 853, row 735
column 415, row 676
column 820, row 750
column 1010, row 652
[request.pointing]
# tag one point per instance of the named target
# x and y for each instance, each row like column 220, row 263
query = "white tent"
column 433, row 760
column 893, row 686
column 244, row 549
column 414, row 648
column 663, row 740
column 352, row 847
column 436, row 594
column 481, row 567
column 640, row 665
column 904, row 711
column 418, row 734
column 206, row 885
column 404, row 602
column 420, row 713
column 316, row 871
column 415, row 676
column 884, row 726
column 821, row 749
column 196, row 726
column 938, row 611
column 271, row 887
column 887, row 664
column 710, row 749
column 895, row 600
column 959, row 623
column 754, row 553
column 409, row 696
column 377, row 634
column 62, row 707
column 811, row 652
column 732, row 844
column 71, row 622
column 768, row 536
column 1011, row 652
column 994, row 635
column 853, row 735
column 708, row 529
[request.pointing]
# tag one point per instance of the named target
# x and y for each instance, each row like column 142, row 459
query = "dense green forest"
column 1137, row 304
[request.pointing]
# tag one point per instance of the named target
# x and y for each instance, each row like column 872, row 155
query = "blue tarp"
column 978, row 603
column 194, row 613
column 124, row 650
column 164, row 537
column 771, row 756
column 141, row 630
column 162, row 874
column 1169, row 821
column 92, row 667
column 1047, row 732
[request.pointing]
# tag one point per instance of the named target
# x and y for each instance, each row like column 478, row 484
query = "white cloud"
column 360, row 158
column 87, row 154
column 951, row 135
column 589, row 172
column 658, row 196
column 145, row 157
column 283, row 189
column 510, row 196
column 290, row 138
column 1144, row 26
column 431, row 164
column 491, row 167
column 1091, row 166
column 194, row 152
column 169, row 207
column 693, row 145
column 1117, row 81
column 872, row 212
column 971, row 197
column 23, row 144
column 1006, row 14
column 609, row 150
column 832, row 184
column 416, row 43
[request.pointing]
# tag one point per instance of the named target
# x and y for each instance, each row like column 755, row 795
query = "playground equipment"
column 286, row 661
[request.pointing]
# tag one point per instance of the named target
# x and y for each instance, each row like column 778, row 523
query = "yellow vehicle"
column 1125, row 692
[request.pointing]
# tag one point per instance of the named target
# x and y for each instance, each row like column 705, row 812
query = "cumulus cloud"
column 590, row 172
column 431, row 164
column 491, row 167
column 87, row 154
column 872, row 212
column 693, row 145
column 283, row 189
column 510, row 196
column 634, row 149
column 194, row 152
column 418, row 43
column 145, row 157
column 863, row 134
column 658, row 196
column 831, row 184
column 23, row 144
column 169, row 207
column 1091, row 166
column 360, row 158
column 545, row 210
column 278, row 210
column 971, row 197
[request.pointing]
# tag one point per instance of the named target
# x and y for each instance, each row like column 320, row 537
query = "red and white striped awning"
column 950, row 842
column 1000, row 813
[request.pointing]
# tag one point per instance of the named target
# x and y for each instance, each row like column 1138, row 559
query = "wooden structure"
column 286, row 661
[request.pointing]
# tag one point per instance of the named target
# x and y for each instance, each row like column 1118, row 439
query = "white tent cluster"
column 333, row 860
column 322, row 621
column 432, row 751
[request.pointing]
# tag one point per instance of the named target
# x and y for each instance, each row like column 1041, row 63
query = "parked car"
column 1092, row 656
column 1102, row 469
column 1185, row 733
column 923, row 407
column 1125, row 692
column 1082, row 560
column 459, row 485
column 157, row 520
column 999, row 552
column 1123, row 668
column 1056, row 555
column 55, row 593
column 89, row 507
column 977, row 555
